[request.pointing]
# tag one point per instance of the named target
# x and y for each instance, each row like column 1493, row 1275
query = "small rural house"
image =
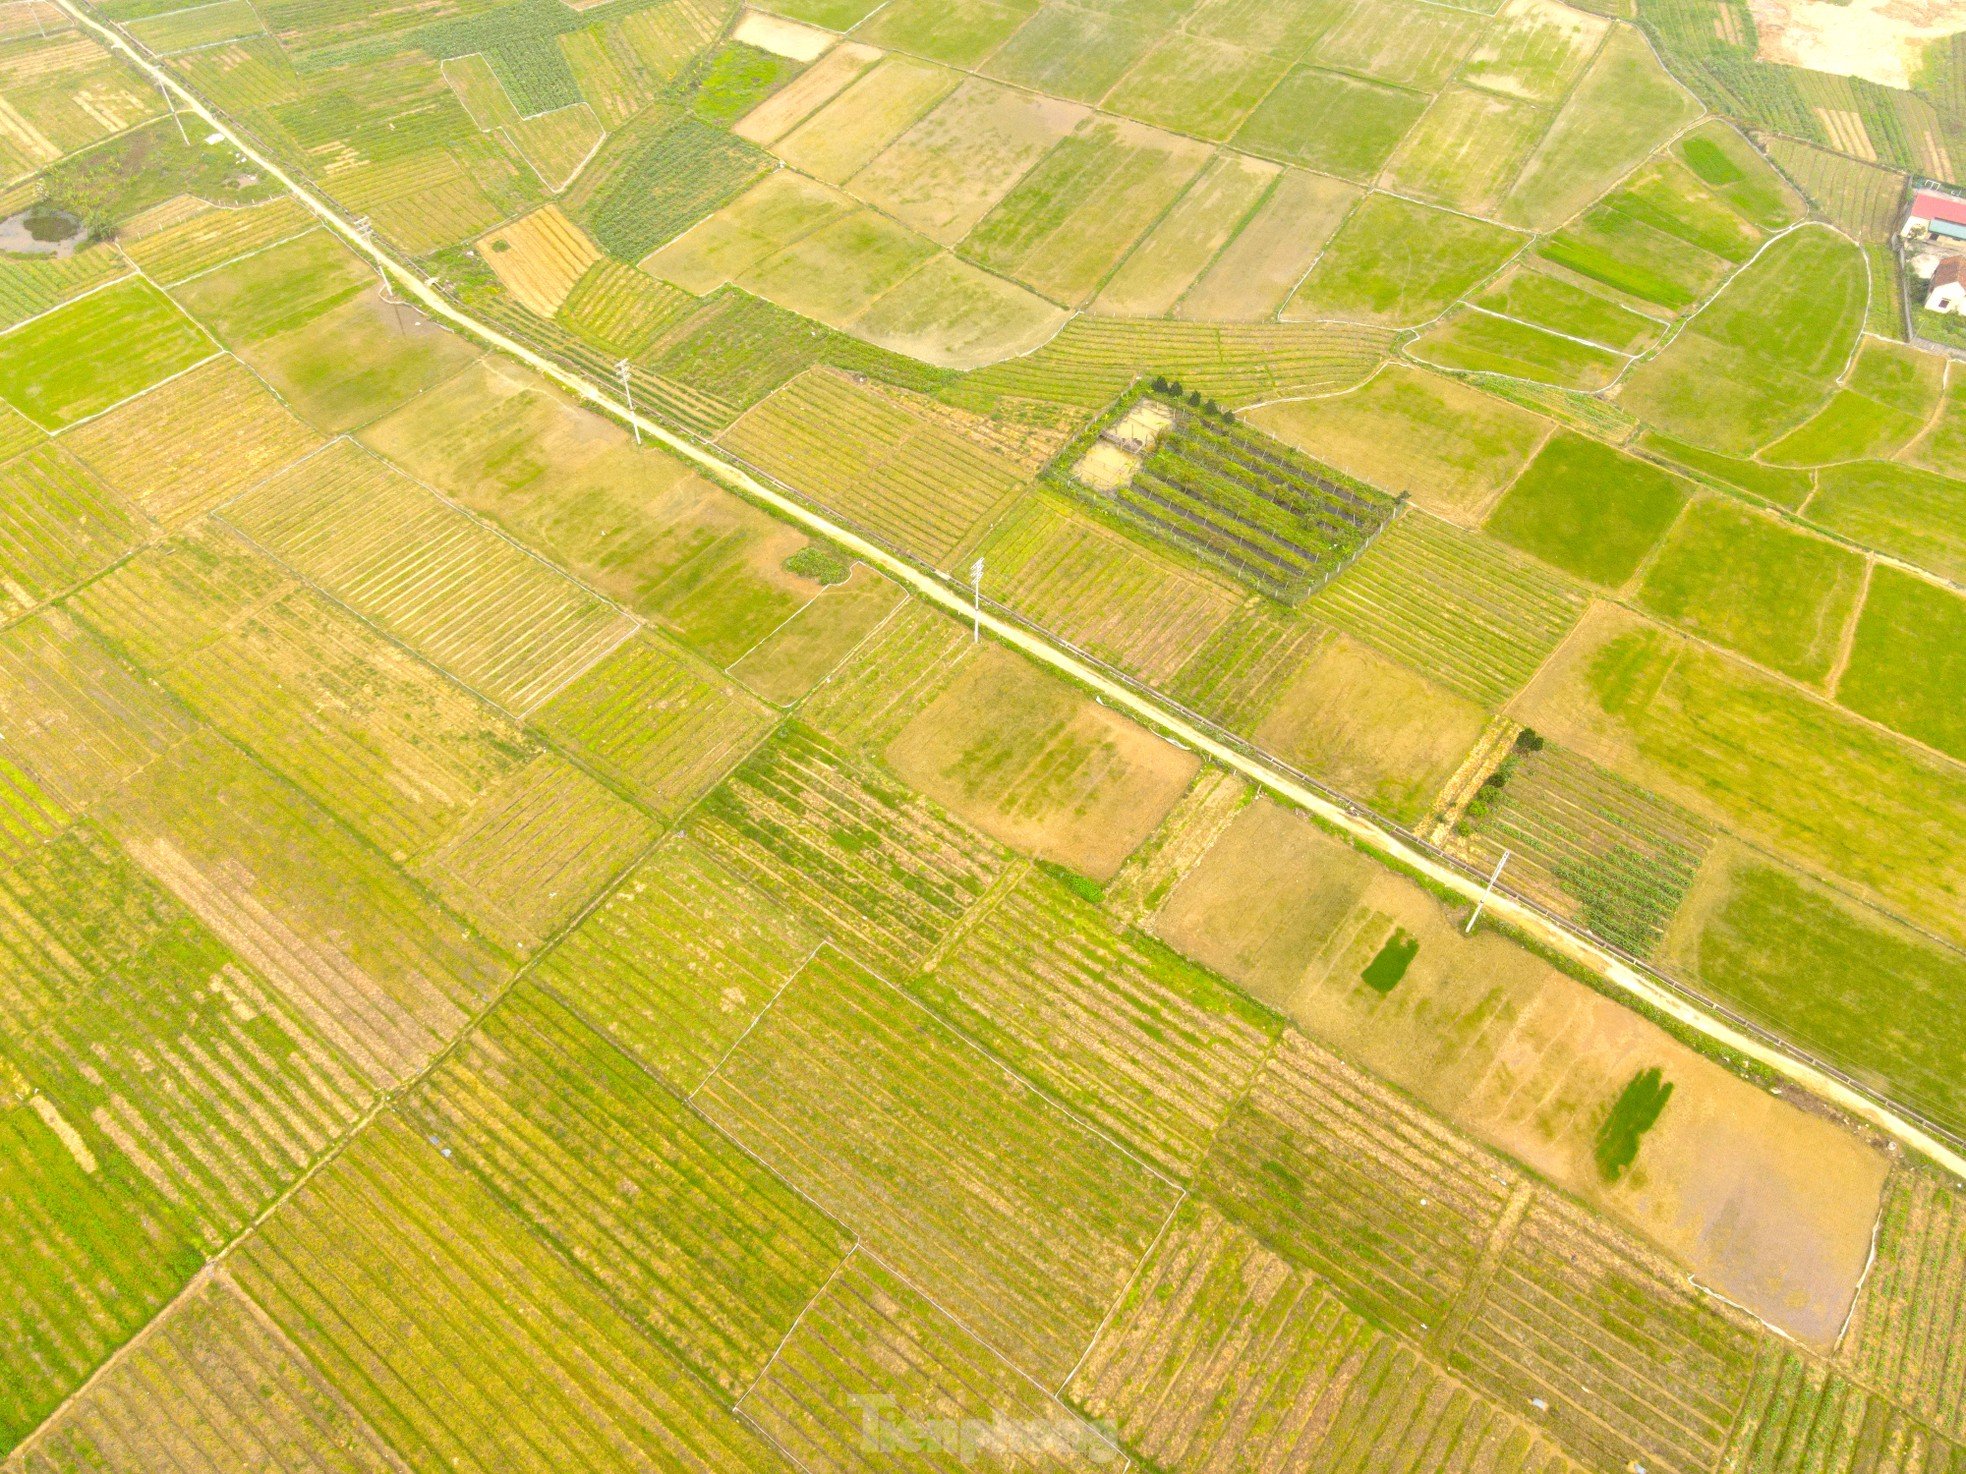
column 1935, row 216
column 1947, row 290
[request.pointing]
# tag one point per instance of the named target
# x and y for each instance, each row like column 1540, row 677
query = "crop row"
column 622, row 309
column 877, row 866
column 1909, row 1331
column 890, row 679
column 193, row 443
column 1020, row 1222
column 1103, row 592
column 471, row 602
column 1235, row 677
column 1453, row 606
column 214, row 237
column 1585, row 840
column 58, row 525
column 667, row 184
column 715, row 1255
column 1627, row 1360
column 1802, row 1415
column 34, row 285
column 1342, row 1176
column 1131, row 1036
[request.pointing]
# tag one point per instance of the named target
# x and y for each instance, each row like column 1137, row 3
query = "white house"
column 1946, row 292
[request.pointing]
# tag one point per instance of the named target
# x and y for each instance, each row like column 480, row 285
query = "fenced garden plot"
column 874, row 1368
column 1453, row 606
column 651, row 718
column 713, row 1253
column 461, row 1337
column 678, row 961
column 1909, row 1331
column 1341, row 1176
column 497, row 618
column 1017, row 1219
column 1621, row 1358
column 193, row 443
column 881, row 869
column 1589, row 844
column 1268, row 516
column 1131, row 1036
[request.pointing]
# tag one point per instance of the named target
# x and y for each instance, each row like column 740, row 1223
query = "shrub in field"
column 1635, row 1112
column 820, row 562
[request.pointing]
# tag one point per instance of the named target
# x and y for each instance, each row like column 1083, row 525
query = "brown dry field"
column 1766, row 1204
column 1031, row 762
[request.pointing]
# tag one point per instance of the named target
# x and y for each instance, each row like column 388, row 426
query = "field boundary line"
column 129, row 270
column 1570, row 944
column 797, row 1321
column 790, row 977
column 306, row 228
column 1126, row 1289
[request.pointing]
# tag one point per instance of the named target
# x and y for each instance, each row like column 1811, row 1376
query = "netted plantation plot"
column 193, row 443
column 1005, row 1210
column 873, row 1367
column 1130, row 1036
column 678, row 962
column 1267, row 516
column 209, row 1378
column 870, row 459
column 882, row 870
column 1627, row 1360
column 1101, row 591
column 652, row 718
column 460, row 1336
column 711, row 1251
column 477, row 605
column 1342, row 1176
column 1588, row 843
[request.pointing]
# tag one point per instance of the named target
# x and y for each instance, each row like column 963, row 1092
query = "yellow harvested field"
column 1029, row 761
column 811, row 90
column 539, row 257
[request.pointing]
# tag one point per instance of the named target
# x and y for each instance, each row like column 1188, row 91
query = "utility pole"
column 976, row 586
column 1486, row 892
column 176, row 117
column 628, row 388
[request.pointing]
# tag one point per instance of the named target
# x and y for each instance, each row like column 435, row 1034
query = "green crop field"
column 1588, row 509
column 536, row 935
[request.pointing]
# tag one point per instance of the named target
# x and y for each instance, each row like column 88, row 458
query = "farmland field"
column 540, row 937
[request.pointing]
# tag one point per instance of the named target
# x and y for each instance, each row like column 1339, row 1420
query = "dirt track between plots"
column 954, row 599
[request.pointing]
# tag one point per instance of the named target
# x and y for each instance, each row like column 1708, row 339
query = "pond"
column 40, row 230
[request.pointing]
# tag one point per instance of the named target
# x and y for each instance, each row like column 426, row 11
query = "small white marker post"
column 1487, row 891
column 628, row 389
column 976, row 586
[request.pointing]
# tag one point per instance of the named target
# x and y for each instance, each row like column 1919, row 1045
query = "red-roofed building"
column 1936, row 215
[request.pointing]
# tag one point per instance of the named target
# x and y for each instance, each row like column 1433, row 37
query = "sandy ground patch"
column 1028, row 760
column 1765, row 1203
column 1878, row 39
column 782, row 37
